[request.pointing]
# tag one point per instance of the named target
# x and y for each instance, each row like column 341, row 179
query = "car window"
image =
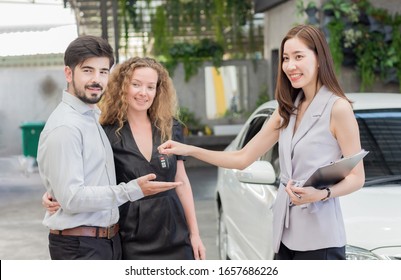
column 380, row 132
column 254, row 127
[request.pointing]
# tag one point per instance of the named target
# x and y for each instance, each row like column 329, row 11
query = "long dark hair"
column 314, row 39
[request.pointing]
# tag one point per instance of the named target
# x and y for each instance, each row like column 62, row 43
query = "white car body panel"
column 372, row 215
column 366, row 218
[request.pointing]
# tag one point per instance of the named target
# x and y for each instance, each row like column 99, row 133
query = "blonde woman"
column 138, row 114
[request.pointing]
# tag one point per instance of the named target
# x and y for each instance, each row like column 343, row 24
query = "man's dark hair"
column 85, row 47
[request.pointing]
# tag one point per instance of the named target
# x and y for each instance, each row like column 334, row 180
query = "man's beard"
column 88, row 100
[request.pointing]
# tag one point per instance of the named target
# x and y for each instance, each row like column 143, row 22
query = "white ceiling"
column 27, row 28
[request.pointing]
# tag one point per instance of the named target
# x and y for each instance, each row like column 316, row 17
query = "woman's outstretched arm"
column 263, row 141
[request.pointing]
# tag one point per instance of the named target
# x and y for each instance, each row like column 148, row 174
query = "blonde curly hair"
column 114, row 105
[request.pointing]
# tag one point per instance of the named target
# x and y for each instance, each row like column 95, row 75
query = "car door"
column 248, row 208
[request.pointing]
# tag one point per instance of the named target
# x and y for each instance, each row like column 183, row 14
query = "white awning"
column 28, row 28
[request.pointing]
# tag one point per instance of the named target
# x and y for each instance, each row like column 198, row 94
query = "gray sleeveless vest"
column 315, row 225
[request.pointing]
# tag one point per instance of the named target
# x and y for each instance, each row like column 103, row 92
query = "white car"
column 372, row 215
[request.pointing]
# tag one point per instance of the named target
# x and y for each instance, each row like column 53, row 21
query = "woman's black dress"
column 153, row 227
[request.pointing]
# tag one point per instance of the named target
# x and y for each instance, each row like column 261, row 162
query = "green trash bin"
column 30, row 137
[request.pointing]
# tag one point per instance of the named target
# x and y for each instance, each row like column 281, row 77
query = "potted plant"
column 361, row 35
column 310, row 9
column 192, row 124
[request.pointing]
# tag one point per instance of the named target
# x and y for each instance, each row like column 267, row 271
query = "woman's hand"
column 49, row 203
column 172, row 147
column 197, row 247
column 302, row 195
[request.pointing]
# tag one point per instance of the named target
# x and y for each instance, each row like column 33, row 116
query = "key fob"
column 163, row 160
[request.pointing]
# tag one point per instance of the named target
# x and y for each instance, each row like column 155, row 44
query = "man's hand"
column 49, row 203
column 150, row 187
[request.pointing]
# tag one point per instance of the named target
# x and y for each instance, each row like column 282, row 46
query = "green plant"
column 182, row 26
column 301, row 7
column 335, row 30
column 161, row 33
column 341, row 8
column 396, row 46
column 341, row 13
column 374, row 45
column 366, row 62
column 377, row 51
column 192, row 55
column 188, row 118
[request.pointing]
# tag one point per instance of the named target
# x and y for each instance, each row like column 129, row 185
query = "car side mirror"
column 259, row 172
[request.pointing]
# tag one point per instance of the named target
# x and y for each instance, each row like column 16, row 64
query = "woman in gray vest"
column 314, row 125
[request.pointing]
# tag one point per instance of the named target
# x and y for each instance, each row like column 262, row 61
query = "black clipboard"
column 334, row 172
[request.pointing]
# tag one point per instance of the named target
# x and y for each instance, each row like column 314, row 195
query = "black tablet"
column 334, row 172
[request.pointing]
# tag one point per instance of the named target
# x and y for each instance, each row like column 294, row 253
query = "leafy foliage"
column 369, row 35
column 192, row 32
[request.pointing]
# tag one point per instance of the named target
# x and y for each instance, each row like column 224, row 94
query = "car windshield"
column 380, row 132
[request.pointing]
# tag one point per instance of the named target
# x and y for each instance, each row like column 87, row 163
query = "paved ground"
column 23, row 237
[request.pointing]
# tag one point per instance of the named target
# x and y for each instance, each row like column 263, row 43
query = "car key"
column 164, row 163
